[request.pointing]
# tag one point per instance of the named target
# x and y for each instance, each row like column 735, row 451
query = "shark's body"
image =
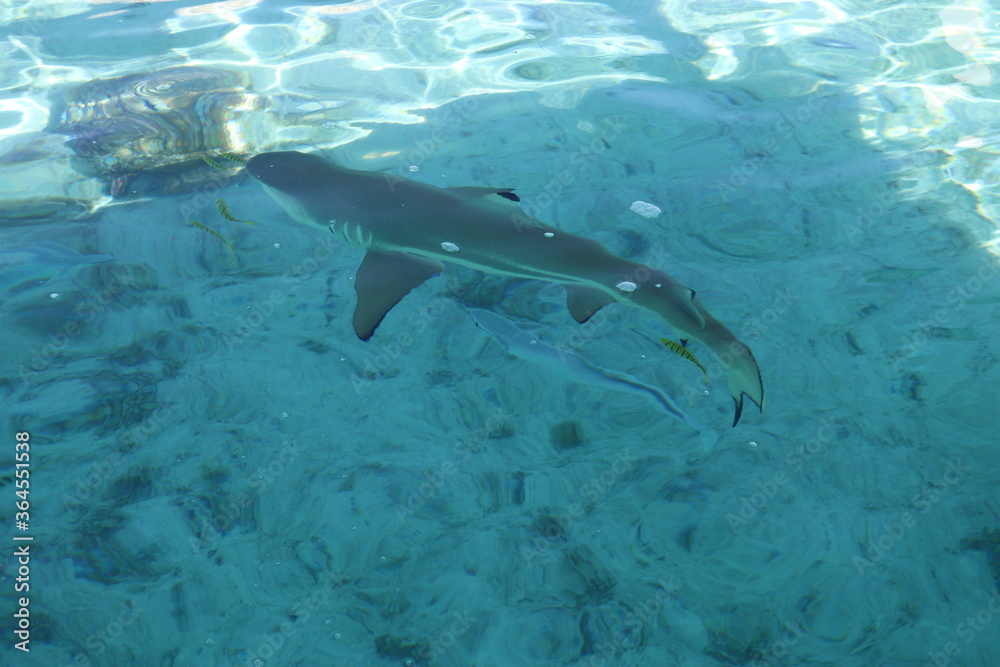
column 408, row 228
column 522, row 344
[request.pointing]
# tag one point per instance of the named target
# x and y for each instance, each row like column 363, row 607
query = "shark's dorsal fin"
column 382, row 280
column 583, row 302
column 475, row 192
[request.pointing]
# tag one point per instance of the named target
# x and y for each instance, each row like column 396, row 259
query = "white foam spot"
column 644, row 209
column 626, row 286
column 450, row 247
column 659, row 285
column 549, row 235
column 970, row 142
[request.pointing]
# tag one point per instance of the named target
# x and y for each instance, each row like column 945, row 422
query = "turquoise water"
column 222, row 473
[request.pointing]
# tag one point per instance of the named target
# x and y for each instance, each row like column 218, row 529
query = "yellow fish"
column 680, row 350
column 206, row 228
column 224, row 212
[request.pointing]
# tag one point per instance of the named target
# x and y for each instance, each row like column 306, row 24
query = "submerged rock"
column 148, row 121
column 137, row 135
column 144, row 133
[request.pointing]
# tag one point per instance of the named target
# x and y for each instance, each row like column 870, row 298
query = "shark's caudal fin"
column 736, row 357
column 678, row 307
column 744, row 376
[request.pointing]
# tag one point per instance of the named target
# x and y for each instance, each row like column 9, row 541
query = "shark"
column 409, row 228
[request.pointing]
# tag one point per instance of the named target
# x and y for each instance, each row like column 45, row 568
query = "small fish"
column 522, row 344
column 206, row 228
column 212, row 163
column 233, row 157
column 682, row 351
column 224, row 212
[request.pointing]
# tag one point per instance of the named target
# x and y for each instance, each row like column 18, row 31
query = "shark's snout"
column 265, row 166
column 283, row 167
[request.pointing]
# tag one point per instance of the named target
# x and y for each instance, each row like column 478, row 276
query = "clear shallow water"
column 216, row 451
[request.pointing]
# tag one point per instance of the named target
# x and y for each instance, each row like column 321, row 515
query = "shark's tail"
column 735, row 357
column 679, row 308
column 744, row 375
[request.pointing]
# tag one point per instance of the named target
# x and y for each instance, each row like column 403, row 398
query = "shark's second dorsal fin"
column 689, row 303
column 382, row 280
column 475, row 192
column 583, row 302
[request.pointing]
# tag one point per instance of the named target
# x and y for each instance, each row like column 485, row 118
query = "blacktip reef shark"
column 524, row 345
column 408, row 228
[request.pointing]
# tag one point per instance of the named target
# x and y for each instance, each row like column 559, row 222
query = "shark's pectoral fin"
column 382, row 280
column 583, row 302
column 474, row 192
